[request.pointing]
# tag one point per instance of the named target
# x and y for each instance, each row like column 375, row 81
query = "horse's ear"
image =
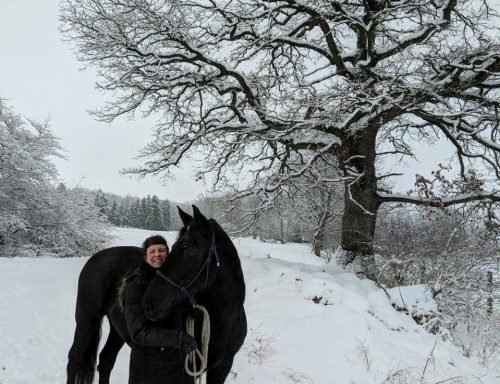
column 185, row 217
column 201, row 220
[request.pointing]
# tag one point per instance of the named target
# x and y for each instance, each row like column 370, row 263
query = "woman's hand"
column 188, row 344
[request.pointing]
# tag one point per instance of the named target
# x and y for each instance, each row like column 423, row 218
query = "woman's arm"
column 143, row 331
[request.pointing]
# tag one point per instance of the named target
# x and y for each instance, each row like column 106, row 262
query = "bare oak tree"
column 280, row 87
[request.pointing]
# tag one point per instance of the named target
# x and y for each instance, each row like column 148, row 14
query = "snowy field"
column 351, row 336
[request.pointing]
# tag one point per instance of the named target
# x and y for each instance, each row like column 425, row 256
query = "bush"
column 451, row 252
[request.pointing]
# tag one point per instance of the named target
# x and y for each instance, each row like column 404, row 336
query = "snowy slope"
column 352, row 335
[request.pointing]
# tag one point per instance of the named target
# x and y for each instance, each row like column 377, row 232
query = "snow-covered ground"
column 308, row 323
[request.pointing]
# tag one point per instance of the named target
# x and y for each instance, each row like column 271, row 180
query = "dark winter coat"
column 155, row 357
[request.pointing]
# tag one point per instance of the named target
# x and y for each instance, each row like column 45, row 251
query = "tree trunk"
column 489, row 302
column 323, row 220
column 317, row 243
column 360, row 205
column 358, row 221
column 255, row 229
column 282, row 230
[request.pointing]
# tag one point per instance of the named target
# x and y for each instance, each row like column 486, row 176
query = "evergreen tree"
column 166, row 219
column 143, row 213
column 101, row 202
column 135, row 214
column 156, row 214
column 113, row 214
column 122, row 216
column 148, row 214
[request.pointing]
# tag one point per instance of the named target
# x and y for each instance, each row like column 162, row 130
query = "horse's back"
column 101, row 275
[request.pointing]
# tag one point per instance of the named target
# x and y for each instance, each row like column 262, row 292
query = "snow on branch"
column 440, row 202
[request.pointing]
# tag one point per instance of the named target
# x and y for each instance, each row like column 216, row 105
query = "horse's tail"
column 82, row 357
column 86, row 374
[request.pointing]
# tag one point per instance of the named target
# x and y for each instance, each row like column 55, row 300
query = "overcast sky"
column 40, row 78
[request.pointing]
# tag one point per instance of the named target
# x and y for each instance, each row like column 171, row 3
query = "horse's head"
column 190, row 267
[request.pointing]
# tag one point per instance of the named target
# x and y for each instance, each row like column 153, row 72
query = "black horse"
column 203, row 267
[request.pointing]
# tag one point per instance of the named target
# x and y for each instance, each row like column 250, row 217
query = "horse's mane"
column 226, row 245
column 120, row 289
column 182, row 231
column 219, row 232
column 120, row 293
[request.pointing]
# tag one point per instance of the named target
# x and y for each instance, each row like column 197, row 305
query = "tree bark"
column 358, row 221
column 360, row 205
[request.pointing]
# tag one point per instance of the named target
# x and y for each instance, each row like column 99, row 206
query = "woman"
column 158, row 348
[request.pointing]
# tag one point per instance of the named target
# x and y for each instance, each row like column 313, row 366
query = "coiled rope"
column 192, row 358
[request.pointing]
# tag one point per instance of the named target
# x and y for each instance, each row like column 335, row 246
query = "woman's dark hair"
column 154, row 240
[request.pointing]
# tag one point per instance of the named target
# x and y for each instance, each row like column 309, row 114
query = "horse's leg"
column 236, row 335
column 217, row 375
column 83, row 352
column 107, row 357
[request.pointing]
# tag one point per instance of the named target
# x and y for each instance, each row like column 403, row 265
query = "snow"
column 417, row 299
column 308, row 323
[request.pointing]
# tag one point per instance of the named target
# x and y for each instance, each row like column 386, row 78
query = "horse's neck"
column 227, row 290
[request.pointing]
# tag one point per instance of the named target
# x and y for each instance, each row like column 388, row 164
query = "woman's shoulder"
column 138, row 277
column 144, row 273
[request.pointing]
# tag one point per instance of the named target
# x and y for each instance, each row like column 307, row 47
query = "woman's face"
column 156, row 255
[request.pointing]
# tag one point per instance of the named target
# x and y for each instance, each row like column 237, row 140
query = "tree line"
column 149, row 212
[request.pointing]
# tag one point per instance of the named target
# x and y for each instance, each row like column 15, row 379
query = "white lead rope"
column 190, row 362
